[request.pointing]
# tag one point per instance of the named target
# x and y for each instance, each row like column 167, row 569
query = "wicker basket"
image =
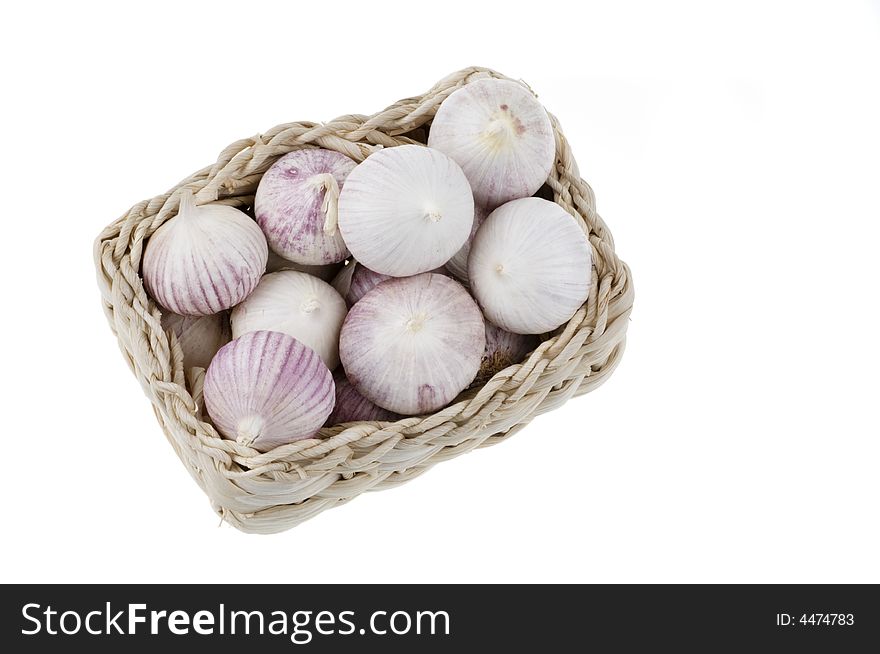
column 272, row 491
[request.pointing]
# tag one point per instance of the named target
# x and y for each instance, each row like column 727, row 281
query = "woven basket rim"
column 275, row 490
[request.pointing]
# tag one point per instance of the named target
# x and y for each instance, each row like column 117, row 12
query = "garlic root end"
column 249, row 429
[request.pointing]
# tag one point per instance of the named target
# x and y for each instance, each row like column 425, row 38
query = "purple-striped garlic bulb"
column 299, row 305
column 206, row 259
column 457, row 265
column 199, row 336
column 354, row 281
column 411, row 345
column 277, row 263
column 296, row 206
column 351, row 406
column 500, row 135
column 405, row 210
column 266, row 389
column 503, row 349
column 530, row 266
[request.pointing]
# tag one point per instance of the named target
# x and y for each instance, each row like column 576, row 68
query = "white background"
column 735, row 153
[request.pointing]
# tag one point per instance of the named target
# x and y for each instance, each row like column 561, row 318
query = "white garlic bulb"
column 277, row 262
column 411, row 345
column 351, row 406
column 503, row 349
column 299, row 305
column 500, row 135
column 355, row 281
column 457, row 265
column 199, row 336
column 206, row 259
column 405, row 210
column 296, row 205
column 265, row 389
column 529, row 266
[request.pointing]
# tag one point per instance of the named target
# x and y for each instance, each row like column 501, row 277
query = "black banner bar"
column 439, row 618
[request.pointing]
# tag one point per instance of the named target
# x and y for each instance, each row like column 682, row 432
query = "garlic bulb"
column 206, row 259
column 500, row 135
column 457, row 265
column 299, row 305
column 351, row 406
column 355, row 281
column 199, row 336
column 529, row 266
column 361, row 281
column 405, row 210
column 296, row 205
column 342, row 281
column 277, row 262
column 411, row 345
column 265, row 389
column 503, row 349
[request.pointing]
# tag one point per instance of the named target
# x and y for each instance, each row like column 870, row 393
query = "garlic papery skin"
column 266, row 389
column 405, row 210
column 411, row 345
column 296, row 206
column 297, row 304
column 342, row 281
column 351, row 406
column 503, row 349
column 500, row 135
column 199, row 336
column 206, row 259
column 457, row 265
column 356, row 280
column 530, row 266
column 277, row 262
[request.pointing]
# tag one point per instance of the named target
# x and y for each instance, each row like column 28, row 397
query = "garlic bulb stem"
column 187, row 202
column 330, row 205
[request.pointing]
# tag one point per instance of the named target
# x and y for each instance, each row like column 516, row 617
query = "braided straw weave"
column 272, row 491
